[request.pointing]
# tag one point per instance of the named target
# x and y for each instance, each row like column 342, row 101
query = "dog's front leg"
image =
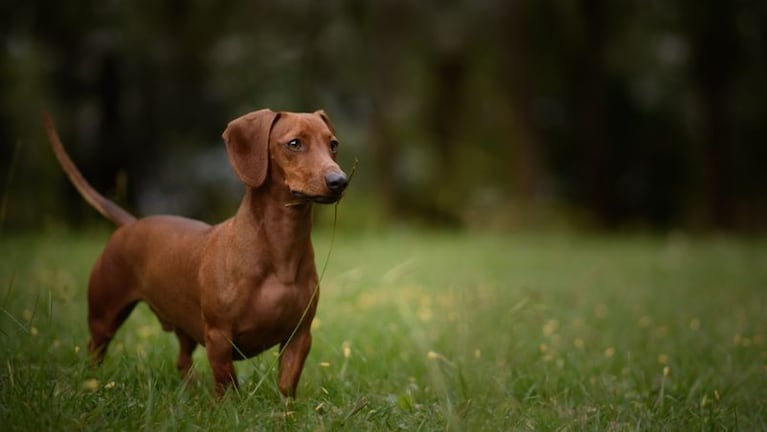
column 218, row 344
column 292, row 361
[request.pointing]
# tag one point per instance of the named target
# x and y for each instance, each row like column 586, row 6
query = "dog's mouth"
column 302, row 198
column 337, row 184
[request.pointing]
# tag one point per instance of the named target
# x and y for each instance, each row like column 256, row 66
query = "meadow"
column 422, row 331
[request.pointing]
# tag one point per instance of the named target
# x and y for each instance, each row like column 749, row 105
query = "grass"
column 423, row 331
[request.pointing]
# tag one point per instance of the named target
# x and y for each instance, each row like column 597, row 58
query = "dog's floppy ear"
column 326, row 119
column 247, row 143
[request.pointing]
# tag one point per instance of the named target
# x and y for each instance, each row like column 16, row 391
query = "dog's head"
column 299, row 148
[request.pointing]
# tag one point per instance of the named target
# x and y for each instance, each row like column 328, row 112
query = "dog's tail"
column 107, row 208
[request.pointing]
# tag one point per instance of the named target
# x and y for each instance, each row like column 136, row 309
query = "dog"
column 237, row 288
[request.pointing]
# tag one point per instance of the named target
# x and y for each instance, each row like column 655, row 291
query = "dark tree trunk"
column 444, row 122
column 519, row 85
column 712, row 37
column 590, row 117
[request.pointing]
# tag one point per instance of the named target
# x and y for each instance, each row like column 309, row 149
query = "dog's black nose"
column 336, row 181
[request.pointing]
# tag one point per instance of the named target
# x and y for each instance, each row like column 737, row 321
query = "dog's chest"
column 270, row 312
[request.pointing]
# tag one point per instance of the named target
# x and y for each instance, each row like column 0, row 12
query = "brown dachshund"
column 239, row 287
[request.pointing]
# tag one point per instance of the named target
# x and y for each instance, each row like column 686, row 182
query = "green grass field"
column 423, row 331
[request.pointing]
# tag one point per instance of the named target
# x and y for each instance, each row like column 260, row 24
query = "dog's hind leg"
column 109, row 305
column 103, row 325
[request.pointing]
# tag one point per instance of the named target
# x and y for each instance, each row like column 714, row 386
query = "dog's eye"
column 295, row 144
column 333, row 146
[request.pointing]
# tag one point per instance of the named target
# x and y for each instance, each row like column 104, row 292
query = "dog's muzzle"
column 335, row 181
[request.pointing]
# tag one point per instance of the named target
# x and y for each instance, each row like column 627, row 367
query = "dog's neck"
column 275, row 232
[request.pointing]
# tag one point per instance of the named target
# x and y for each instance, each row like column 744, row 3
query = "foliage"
column 630, row 113
column 423, row 331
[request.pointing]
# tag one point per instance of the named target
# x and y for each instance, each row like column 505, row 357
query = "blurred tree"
column 520, row 88
column 710, row 27
column 384, row 28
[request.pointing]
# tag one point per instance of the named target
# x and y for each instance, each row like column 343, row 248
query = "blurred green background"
column 486, row 114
